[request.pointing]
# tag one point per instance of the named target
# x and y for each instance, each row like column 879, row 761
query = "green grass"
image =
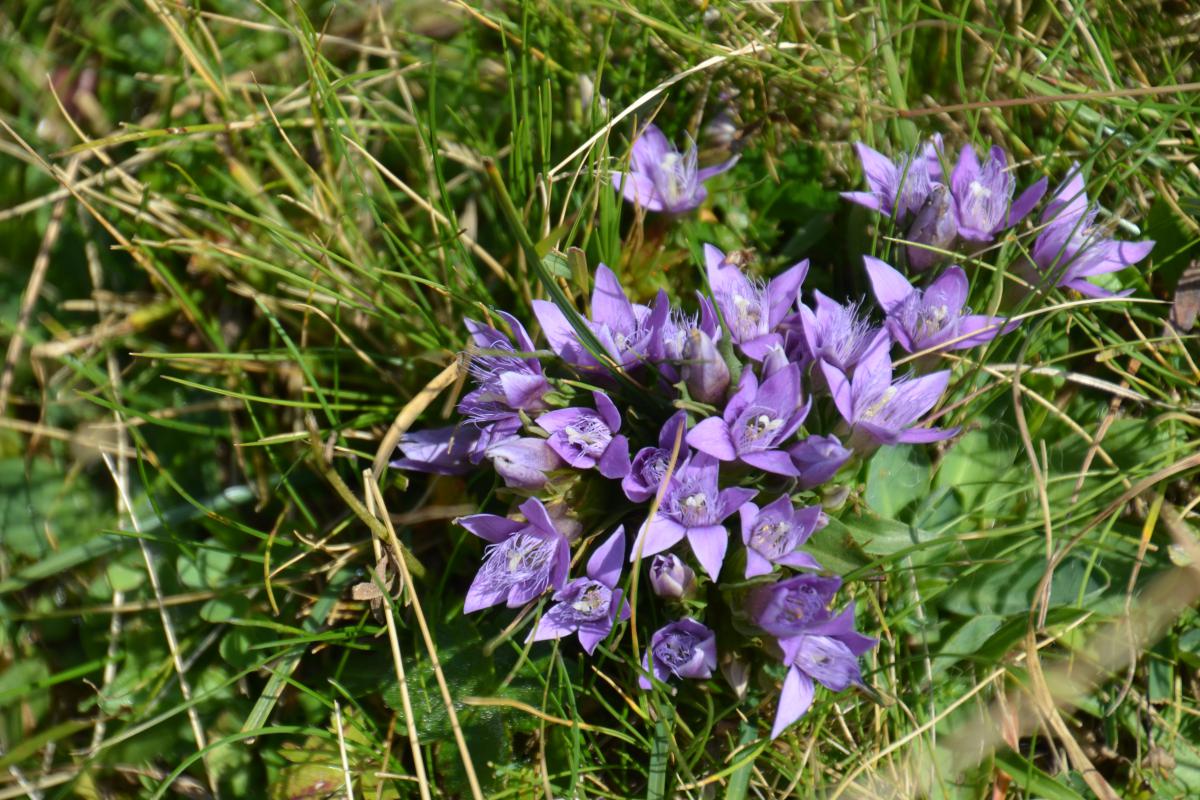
column 275, row 218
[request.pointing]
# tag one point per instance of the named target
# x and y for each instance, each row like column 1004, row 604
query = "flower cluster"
column 714, row 432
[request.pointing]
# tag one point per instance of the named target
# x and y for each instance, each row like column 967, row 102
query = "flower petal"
column 490, row 527
column 709, row 544
column 711, row 436
column 794, row 700
column 605, row 563
column 615, row 461
column 889, row 286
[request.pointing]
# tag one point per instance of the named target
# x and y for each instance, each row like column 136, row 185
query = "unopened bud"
column 704, row 370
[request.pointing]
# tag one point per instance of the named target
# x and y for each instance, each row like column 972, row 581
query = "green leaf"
column 1032, row 779
column 977, row 461
column 897, row 477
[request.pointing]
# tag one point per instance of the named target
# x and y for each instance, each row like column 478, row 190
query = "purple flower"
column 523, row 461
column 444, row 451
column 817, row 459
column 586, row 439
column 522, row 559
column 628, row 332
column 933, row 318
column 790, row 607
column 591, row 605
column 773, row 533
column 505, row 382
column 685, row 649
column 752, row 310
column 670, row 577
column 1070, row 249
column 827, row 653
column 983, row 195
column 695, row 507
column 756, row 422
column 650, row 464
column 660, row 178
column 897, row 188
column 837, row 334
column 885, row 410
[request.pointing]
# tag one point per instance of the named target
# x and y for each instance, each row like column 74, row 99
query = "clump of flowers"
column 715, row 434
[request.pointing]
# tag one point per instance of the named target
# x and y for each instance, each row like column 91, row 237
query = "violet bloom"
column 817, row 459
column 589, row 606
column 660, row 178
column 586, row 439
column 649, row 466
column 756, row 422
column 522, row 559
column 670, row 577
column 885, row 410
column 505, row 381
column 934, row 318
column 523, row 461
column 684, row 649
column 898, row 188
column 443, row 451
column 983, row 195
column 838, row 334
column 827, row 653
column 790, row 607
column 774, row 533
column 751, row 309
column 693, row 506
column 628, row 332
column 1070, row 249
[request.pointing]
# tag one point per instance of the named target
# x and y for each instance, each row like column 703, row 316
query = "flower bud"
column 523, row 461
column 933, row 226
column 818, row 458
column 704, row 370
column 774, row 360
column 736, row 671
column 670, row 577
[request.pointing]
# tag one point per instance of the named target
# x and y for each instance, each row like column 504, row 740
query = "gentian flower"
column 522, row 559
column 586, row 439
column 983, row 195
column 670, row 577
column 523, row 461
column 827, row 653
column 752, row 310
column 774, row 533
column 757, row 420
column 628, row 332
column 685, row 649
column 885, row 410
column 505, row 383
column 790, row 607
column 898, row 188
column 838, row 334
column 650, row 464
column 1070, row 249
column 693, row 506
column 660, row 178
column 933, row 318
column 817, row 459
column 443, row 451
column 591, row 605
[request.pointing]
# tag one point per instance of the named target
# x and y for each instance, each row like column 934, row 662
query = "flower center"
column 519, row 559
column 749, row 318
column 773, row 537
column 589, row 434
column 675, row 650
column 879, row 404
column 845, row 337
column 758, row 430
column 592, row 602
